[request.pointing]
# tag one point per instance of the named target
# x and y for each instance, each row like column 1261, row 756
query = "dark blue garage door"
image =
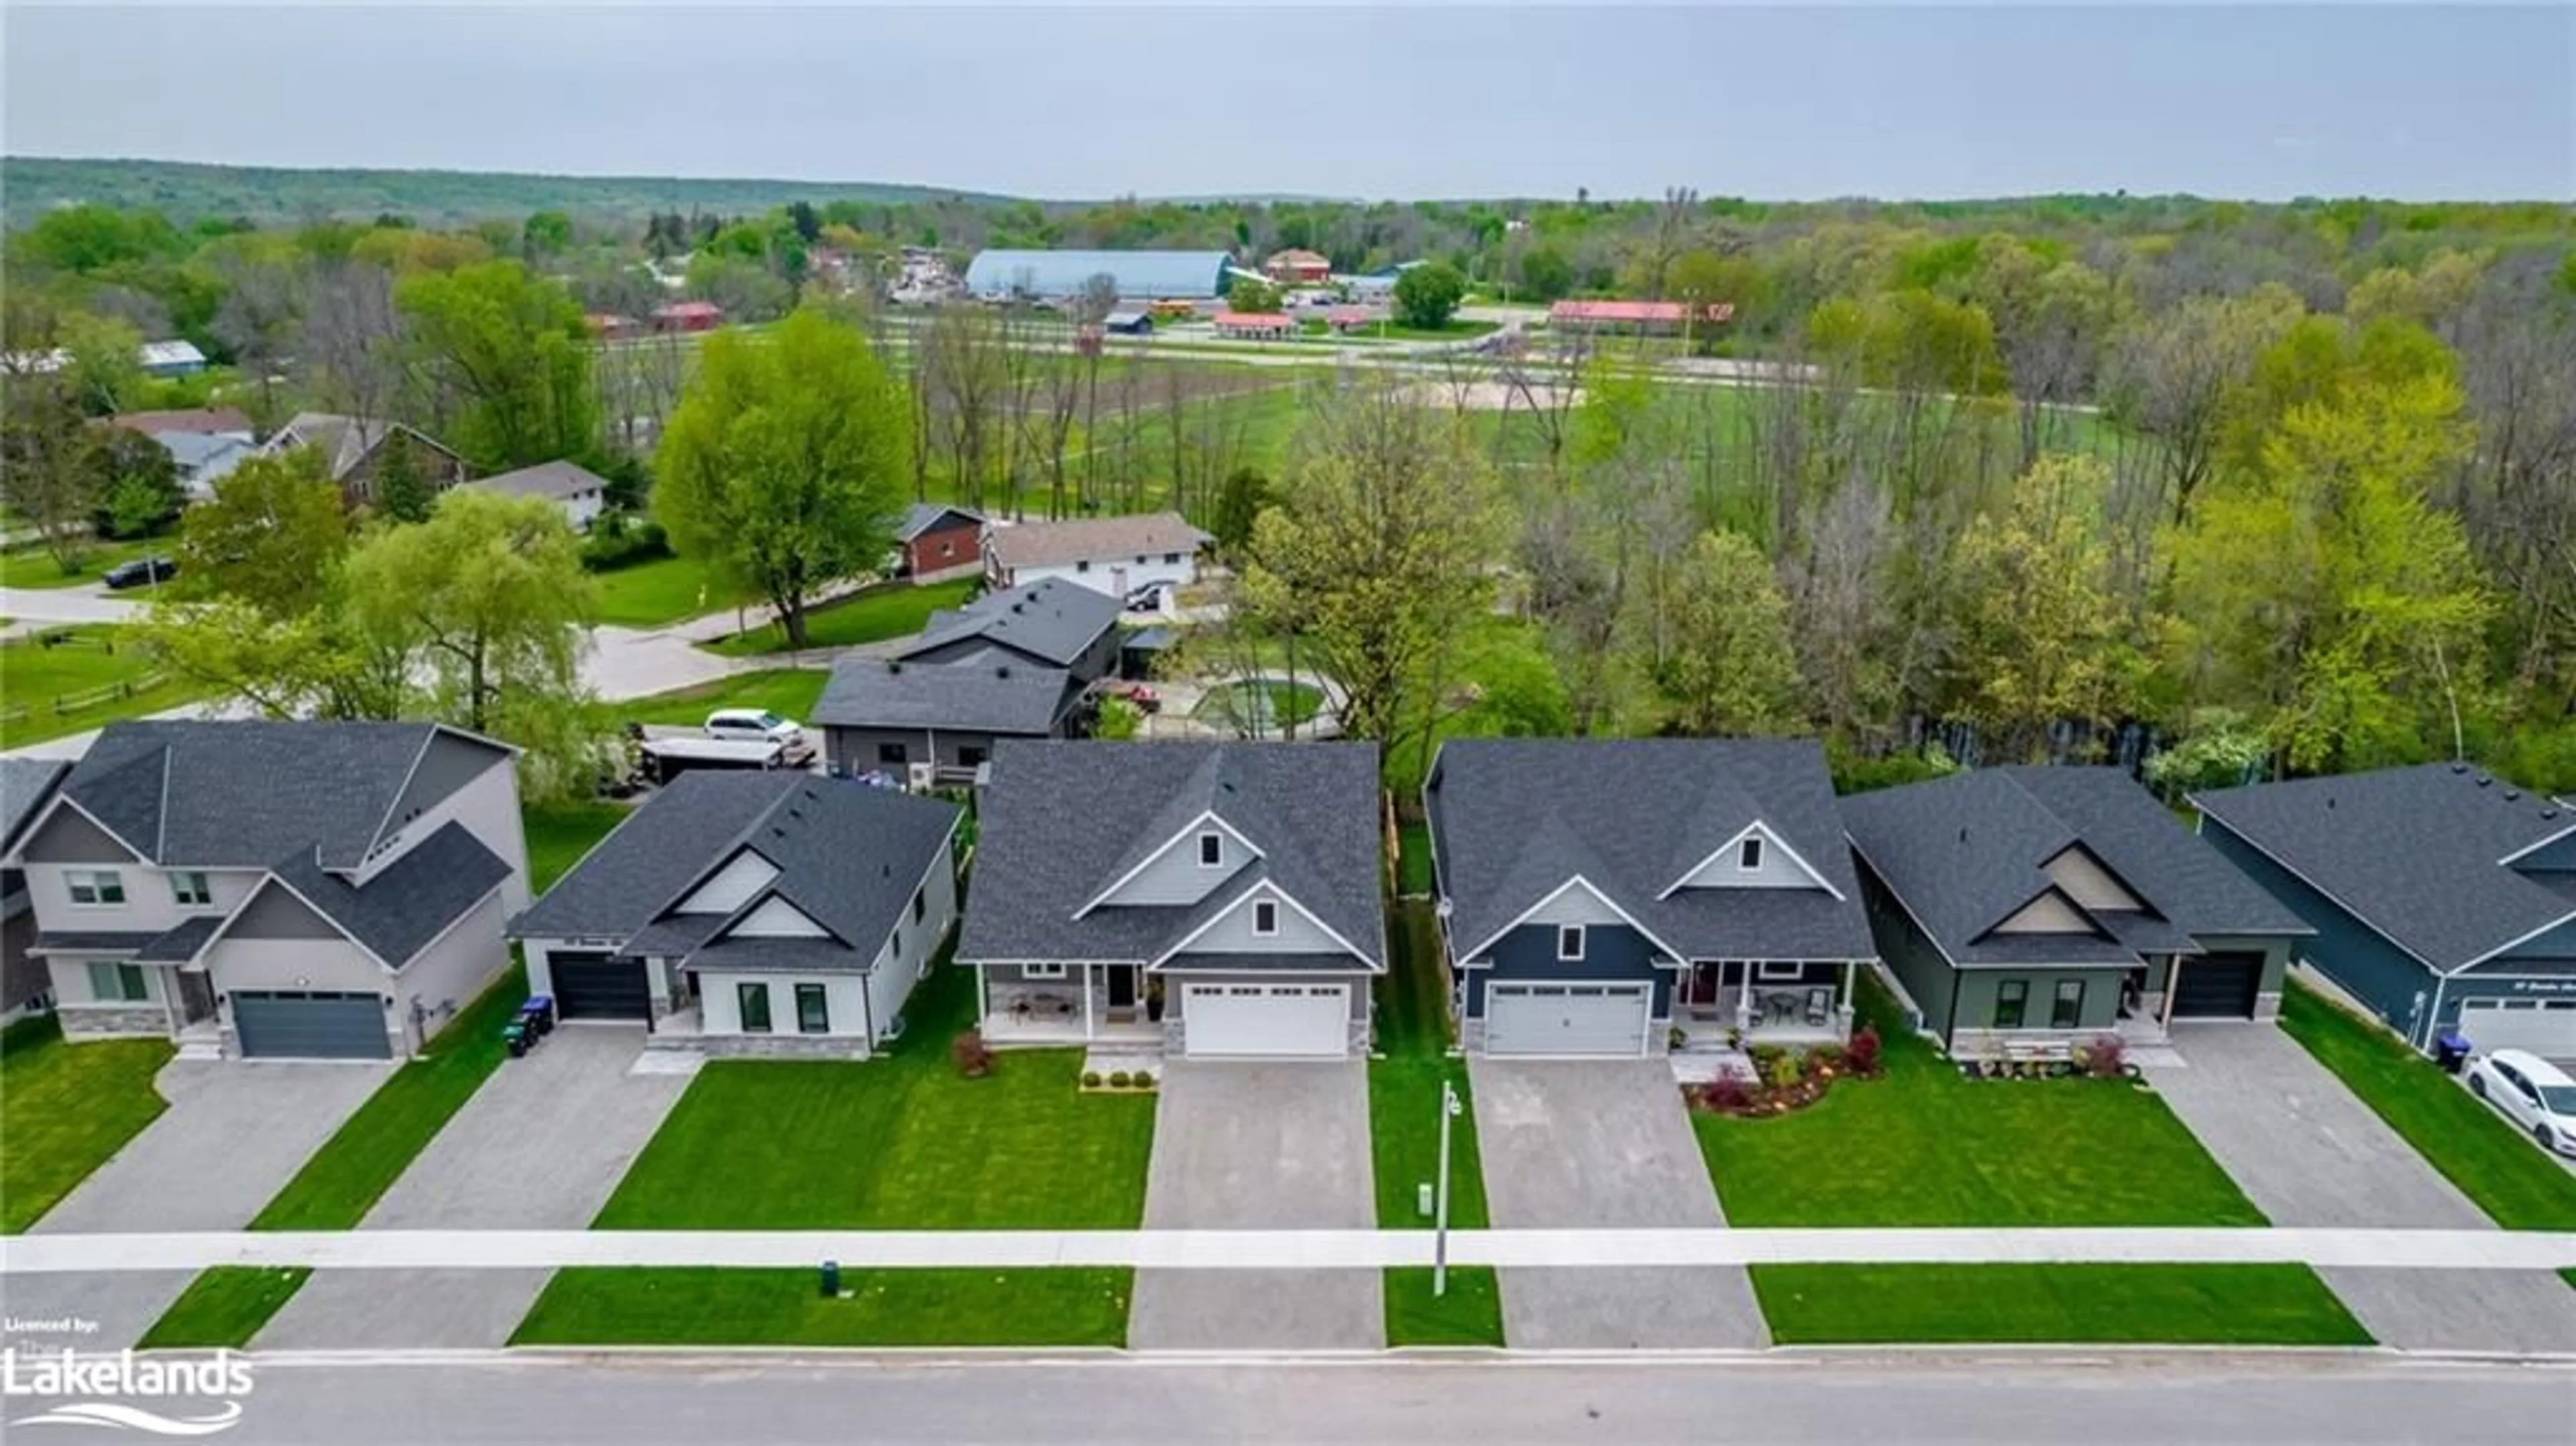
column 286, row 1025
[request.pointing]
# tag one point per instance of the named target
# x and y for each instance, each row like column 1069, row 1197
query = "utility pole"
column 1450, row 1109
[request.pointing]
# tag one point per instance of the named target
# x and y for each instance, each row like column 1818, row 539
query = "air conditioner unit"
column 924, row 776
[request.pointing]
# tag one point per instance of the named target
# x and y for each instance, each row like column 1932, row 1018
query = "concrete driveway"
column 540, row 1146
column 234, row 1134
column 1603, row 1144
column 1244, row 1146
column 2308, row 1152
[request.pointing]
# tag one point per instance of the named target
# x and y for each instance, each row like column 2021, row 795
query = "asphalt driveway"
column 1603, row 1144
column 2308, row 1152
column 540, row 1146
column 234, row 1134
column 1244, row 1146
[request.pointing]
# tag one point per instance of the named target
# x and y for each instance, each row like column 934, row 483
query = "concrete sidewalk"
column 2480, row 1250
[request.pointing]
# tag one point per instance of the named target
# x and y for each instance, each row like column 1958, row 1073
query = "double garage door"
column 1567, row 1020
column 303, row 1025
column 599, row 986
column 2217, row 986
column 1281, row 1021
column 2544, row 1027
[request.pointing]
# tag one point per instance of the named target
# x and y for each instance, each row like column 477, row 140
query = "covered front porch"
column 1729, row 1003
column 1069, row 1003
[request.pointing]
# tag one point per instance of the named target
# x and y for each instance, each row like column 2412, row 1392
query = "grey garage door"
column 311, row 1026
column 596, row 986
column 1568, row 1020
column 2218, row 986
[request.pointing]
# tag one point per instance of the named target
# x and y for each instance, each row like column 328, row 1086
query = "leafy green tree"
column 1245, row 294
column 785, row 461
column 547, row 233
column 1729, row 665
column 2038, row 636
column 272, row 536
column 1120, row 720
column 1428, row 295
column 103, row 365
column 1545, row 274
column 510, row 352
column 401, row 489
column 138, row 483
column 1238, row 505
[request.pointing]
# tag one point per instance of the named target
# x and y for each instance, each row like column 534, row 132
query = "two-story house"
column 276, row 889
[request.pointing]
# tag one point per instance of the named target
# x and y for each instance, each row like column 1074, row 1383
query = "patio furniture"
column 1780, row 1008
column 1820, row 1007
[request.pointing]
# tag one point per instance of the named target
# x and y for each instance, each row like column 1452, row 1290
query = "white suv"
column 2532, row 1092
column 754, row 725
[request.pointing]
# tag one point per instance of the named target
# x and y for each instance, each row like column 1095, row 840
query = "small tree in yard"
column 972, row 1056
column 1428, row 295
column 1861, row 1055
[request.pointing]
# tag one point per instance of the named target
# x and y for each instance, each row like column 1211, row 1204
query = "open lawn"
column 2469, row 1143
column 64, row 1108
column 1404, row 1085
column 892, row 611
column 901, row 1142
column 87, row 677
column 1471, row 1314
column 2266, row 1305
column 33, row 567
column 560, row 833
column 1413, row 857
column 789, row 692
column 1924, row 1146
column 1260, row 708
column 665, row 590
column 224, row 1307
column 355, row 1167
column 714, row 1307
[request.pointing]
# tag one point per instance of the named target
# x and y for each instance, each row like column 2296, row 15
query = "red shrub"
column 1861, row 1055
column 1726, row 1093
column 973, row 1057
column 2105, row 1057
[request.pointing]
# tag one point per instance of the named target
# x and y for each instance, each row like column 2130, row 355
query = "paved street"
column 1241, row 1146
column 1603, row 1144
column 1794, row 1399
column 540, row 1146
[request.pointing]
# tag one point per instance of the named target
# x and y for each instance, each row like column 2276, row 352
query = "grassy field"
column 790, row 692
column 37, row 682
column 892, row 611
column 224, row 1307
column 665, row 590
column 64, row 1109
column 559, row 834
column 33, row 567
column 905, row 1142
column 1471, row 1314
column 1404, row 1086
column 1924, row 1146
column 711, row 1307
column 1413, row 858
column 2468, row 1142
column 2268, row 1305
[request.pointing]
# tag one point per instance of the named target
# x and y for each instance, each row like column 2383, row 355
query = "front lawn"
column 2472, row 1145
column 560, row 833
column 224, row 1307
column 663, row 591
column 892, row 611
column 1471, row 1314
column 1924, row 1146
column 2234, row 1305
column 72, row 679
column 33, row 567
column 64, row 1109
column 788, row 692
column 591, row 1306
column 899, row 1142
column 1404, row 1085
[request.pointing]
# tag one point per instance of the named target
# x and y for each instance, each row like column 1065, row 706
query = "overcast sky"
column 2424, row 102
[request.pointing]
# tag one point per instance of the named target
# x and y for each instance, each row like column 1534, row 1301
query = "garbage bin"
column 2451, row 1051
column 539, row 1014
column 515, row 1035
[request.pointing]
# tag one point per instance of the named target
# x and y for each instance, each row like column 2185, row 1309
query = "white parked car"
column 2532, row 1092
column 754, row 725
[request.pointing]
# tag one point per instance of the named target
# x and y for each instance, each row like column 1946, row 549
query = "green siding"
column 1979, row 987
column 1909, row 953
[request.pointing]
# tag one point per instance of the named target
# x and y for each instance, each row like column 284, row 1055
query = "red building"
column 1297, row 267
column 1254, row 325
column 688, row 316
column 939, row 542
column 1642, row 316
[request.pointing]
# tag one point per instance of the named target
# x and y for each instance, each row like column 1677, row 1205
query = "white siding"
column 731, row 887
column 777, row 919
column 1174, row 875
column 907, row 951
column 2087, row 882
column 149, row 905
column 2047, row 914
column 447, row 975
column 71, row 982
column 844, row 995
column 1577, row 904
column 1778, row 869
column 1231, row 931
column 1116, row 576
column 319, row 964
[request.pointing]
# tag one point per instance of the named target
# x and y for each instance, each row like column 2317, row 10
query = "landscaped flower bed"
column 1119, row 1081
column 1785, row 1081
column 2104, row 1058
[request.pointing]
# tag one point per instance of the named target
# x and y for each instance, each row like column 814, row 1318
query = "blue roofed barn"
column 1140, row 275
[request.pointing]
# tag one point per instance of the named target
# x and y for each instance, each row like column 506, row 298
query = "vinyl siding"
column 2087, row 882
column 1778, row 870
column 2360, row 962
column 1979, row 988
column 731, row 887
column 1909, row 953
column 1611, row 952
column 2047, row 914
column 445, row 977
column 844, row 1003
column 854, row 750
column 1175, row 876
column 1231, row 931
column 488, row 807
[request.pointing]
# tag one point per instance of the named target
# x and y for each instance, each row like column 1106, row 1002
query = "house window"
column 1265, row 918
column 1748, row 855
column 2012, row 997
column 948, row 547
column 891, row 753
column 2068, row 1009
column 1172, row 557
column 1769, row 972
column 1569, row 941
column 1211, row 850
column 1082, row 566
column 96, row 887
column 188, row 888
column 970, row 757
column 1140, row 559
column 1041, row 971
column 919, row 906
column 115, row 983
column 753, row 1001
column 811, row 1015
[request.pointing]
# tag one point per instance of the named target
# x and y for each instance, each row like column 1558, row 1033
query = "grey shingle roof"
column 1514, row 819
column 628, row 877
column 920, row 517
column 344, row 441
column 1061, row 821
column 554, row 481
column 243, row 794
column 2415, row 853
column 1050, row 620
column 1966, row 852
column 182, row 943
column 983, row 697
column 25, row 785
column 414, row 900
column 1099, row 539
column 91, row 941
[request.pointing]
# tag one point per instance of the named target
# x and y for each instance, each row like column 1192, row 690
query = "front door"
column 1122, row 986
column 1701, row 987
column 196, row 995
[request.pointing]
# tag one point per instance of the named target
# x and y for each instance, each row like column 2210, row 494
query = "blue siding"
column 2345, row 950
column 2557, row 944
column 1611, row 952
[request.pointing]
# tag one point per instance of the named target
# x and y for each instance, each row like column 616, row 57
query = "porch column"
column 171, row 1013
column 1743, row 991
column 983, row 1005
column 1090, row 973
column 2173, row 987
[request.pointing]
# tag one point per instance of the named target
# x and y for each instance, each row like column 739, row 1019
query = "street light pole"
column 1449, row 1110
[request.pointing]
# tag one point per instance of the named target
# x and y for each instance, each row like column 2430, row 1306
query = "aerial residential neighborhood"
column 1563, row 760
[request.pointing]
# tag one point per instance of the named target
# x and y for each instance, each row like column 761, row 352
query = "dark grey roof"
column 2417, row 854
column 920, row 517
column 1266, row 963
column 78, row 941
column 182, row 943
column 1051, row 620
column 848, row 857
column 25, row 785
column 1966, row 852
column 1514, row 819
column 412, row 901
column 1062, row 821
column 1150, row 640
column 242, row 794
column 980, row 697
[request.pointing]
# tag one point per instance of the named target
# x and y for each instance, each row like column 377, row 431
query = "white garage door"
column 1567, row 1020
column 2544, row 1027
column 1266, row 1020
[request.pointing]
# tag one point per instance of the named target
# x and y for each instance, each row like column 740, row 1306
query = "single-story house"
column 1650, row 317
column 922, row 724
column 1254, row 325
column 934, row 543
column 354, row 448
column 267, row 889
column 2442, row 896
column 681, row 316
column 752, row 913
column 1597, row 896
column 26, row 786
column 1129, row 321
column 1213, row 900
column 205, row 443
column 1297, row 266
column 2030, row 910
column 1048, row 623
column 580, row 492
column 1111, row 555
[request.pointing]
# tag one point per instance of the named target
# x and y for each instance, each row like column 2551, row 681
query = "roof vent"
column 2459, row 768
column 2512, row 794
column 2484, row 780
column 2549, row 813
column 894, row 665
column 885, row 871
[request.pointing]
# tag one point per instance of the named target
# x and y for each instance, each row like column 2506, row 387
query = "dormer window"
column 1569, row 943
column 1265, row 918
column 1211, row 850
column 1748, row 854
